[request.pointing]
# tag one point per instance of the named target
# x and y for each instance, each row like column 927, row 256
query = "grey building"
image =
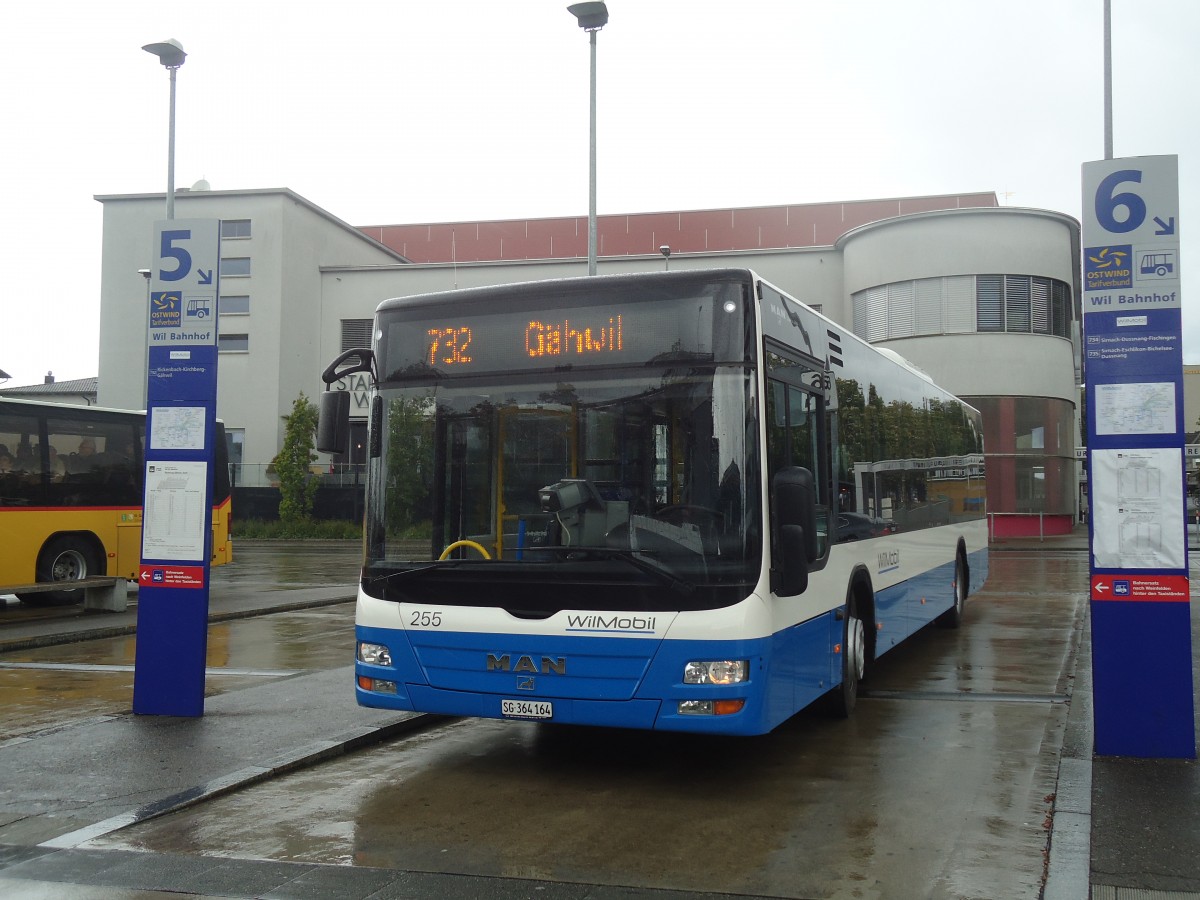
column 983, row 298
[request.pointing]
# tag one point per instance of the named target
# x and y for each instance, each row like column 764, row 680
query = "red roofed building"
column 692, row 231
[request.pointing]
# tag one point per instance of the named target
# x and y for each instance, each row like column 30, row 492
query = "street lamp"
column 170, row 54
column 592, row 17
column 1108, row 111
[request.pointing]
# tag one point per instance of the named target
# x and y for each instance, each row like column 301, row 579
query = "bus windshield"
column 634, row 481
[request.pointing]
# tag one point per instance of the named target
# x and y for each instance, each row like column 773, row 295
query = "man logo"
column 504, row 663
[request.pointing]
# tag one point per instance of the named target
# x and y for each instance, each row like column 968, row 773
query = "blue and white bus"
column 679, row 500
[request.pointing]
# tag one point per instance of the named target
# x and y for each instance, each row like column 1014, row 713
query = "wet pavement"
column 264, row 576
column 941, row 785
column 46, row 687
column 955, row 774
column 895, row 806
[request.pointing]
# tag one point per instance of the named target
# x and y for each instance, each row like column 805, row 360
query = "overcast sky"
column 443, row 110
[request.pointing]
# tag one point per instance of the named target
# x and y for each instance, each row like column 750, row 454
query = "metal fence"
column 264, row 476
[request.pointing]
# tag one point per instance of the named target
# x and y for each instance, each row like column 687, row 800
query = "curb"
column 1069, row 861
column 300, row 758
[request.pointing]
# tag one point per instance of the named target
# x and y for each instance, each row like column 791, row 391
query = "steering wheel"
column 474, row 546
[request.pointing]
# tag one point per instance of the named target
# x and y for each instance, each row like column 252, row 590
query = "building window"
column 962, row 304
column 233, row 343
column 235, row 266
column 1060, row 309
column 900, row 318
column 989, row 303
column 1040, row 306
column 356, row 333
column 235, row 305
column 235, row 444
column 235, row 228
column 1016, row 303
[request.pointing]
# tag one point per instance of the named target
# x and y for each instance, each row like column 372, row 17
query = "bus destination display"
column 513, row 341
column 452, row 346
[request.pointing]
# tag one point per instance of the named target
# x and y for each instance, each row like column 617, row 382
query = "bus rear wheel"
column 63, row 559
column 854, row 659
column 953, row 617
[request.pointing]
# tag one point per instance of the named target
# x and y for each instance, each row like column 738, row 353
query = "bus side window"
column 794, row 427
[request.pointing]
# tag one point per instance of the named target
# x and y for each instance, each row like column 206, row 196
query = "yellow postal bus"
column 71, row 480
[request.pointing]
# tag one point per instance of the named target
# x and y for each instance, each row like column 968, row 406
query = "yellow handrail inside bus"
column 457, row 544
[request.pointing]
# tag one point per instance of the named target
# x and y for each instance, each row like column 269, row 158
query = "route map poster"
column 177, row 428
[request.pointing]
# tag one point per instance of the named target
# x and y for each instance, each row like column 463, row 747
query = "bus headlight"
column 378, row 685
column 375, row 654
column 711, row 707
column 721, row 671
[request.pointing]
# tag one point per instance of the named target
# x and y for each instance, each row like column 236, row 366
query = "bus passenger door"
column 468, row 479
column 537, row 448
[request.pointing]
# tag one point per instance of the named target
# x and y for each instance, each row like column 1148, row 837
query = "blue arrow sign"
column 1167, row 227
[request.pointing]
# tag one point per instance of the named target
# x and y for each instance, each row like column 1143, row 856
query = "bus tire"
column 854, row 658
column 953, row 617
column 63, row 558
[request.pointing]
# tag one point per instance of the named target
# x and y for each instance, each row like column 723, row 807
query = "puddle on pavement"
column 34, row 699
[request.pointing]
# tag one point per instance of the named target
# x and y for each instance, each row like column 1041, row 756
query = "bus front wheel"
column 64, row 558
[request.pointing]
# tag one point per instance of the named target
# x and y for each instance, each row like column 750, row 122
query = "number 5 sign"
column 183, row 282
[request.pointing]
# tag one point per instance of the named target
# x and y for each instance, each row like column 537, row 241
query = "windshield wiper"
column 636, row 559
column 416, row 570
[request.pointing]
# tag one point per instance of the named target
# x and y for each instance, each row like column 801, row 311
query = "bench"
column 99, row 592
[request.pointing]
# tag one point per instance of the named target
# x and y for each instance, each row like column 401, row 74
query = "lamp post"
column 1108, row 120
column 170, row 54
column 592, row 17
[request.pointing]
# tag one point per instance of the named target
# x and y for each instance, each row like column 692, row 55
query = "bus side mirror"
column 333, row 422
column 794, row 501
column 793, row 575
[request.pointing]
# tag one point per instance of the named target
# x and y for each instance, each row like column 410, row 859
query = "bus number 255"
column 423, row 618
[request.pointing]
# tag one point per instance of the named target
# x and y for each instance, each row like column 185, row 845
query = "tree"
column 296, row 483
column 410, row 464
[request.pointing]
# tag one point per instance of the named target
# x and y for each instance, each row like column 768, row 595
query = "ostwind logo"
column 1109, row 258
column 1108, row 267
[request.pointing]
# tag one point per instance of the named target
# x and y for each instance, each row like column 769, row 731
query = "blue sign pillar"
column 1140, row 602
column 181, row 400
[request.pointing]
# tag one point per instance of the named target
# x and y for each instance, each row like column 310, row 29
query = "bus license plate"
column 526, row 709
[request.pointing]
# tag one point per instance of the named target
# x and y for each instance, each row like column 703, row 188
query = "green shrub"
column 305, row 529
column 297, row 486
